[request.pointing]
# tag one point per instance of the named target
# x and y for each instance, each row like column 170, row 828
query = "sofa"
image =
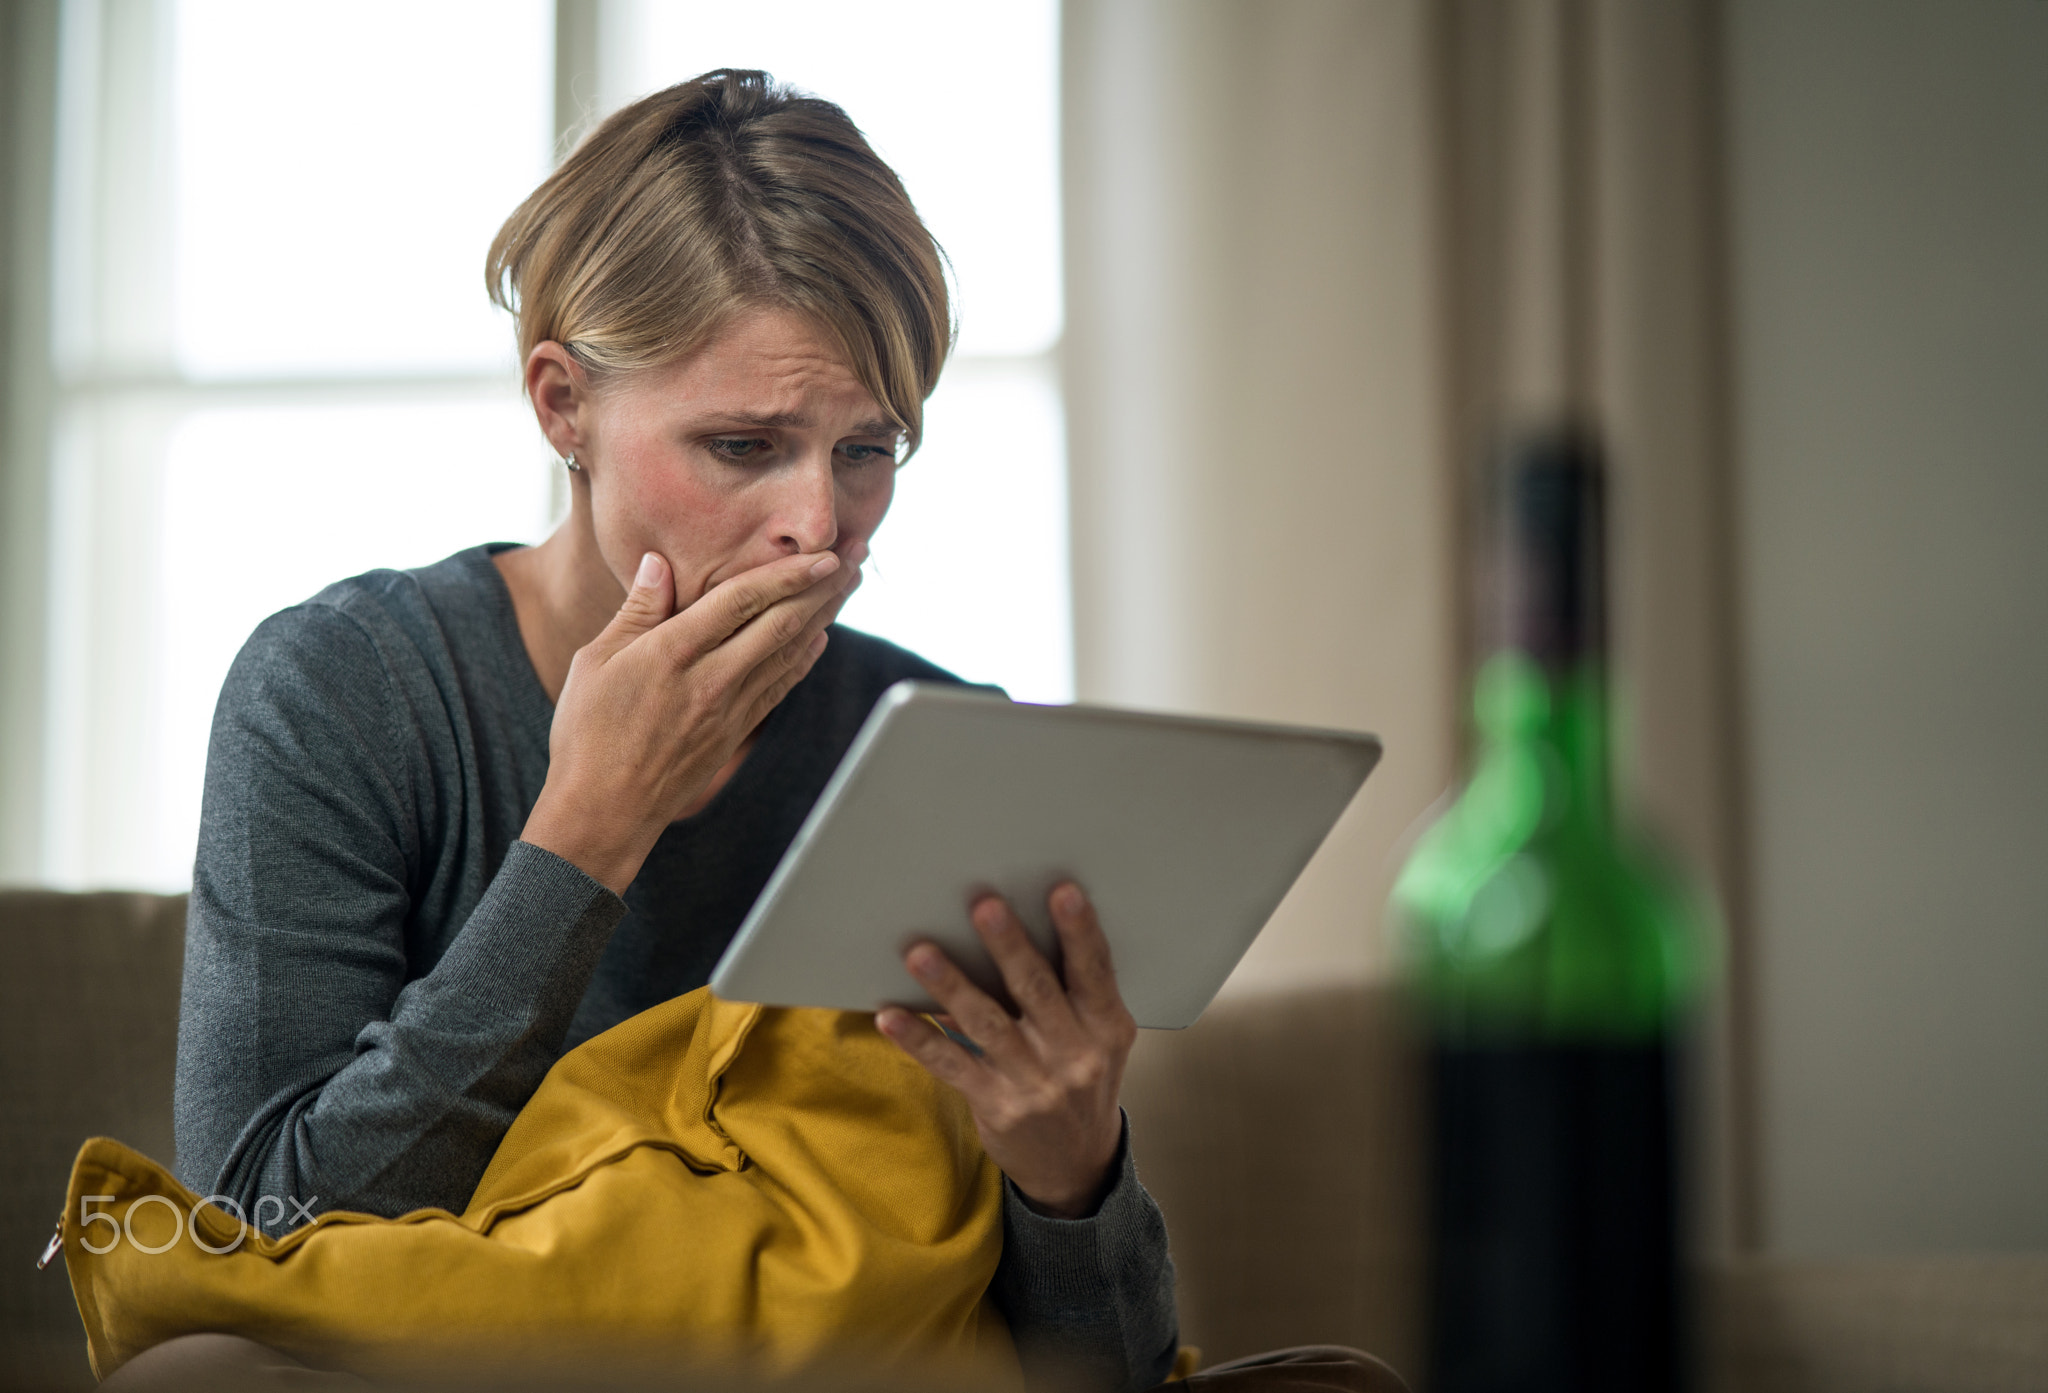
column 1280, row 1135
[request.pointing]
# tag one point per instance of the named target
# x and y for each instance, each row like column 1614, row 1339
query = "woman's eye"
column 738, row 448
column 864, row 454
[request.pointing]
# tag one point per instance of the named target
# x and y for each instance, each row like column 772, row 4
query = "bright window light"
column 970, row 568
column 340, row 172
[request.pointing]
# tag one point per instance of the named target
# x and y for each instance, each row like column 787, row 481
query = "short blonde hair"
column 723, row 193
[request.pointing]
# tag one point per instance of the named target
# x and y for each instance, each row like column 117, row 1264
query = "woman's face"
column 759, row 444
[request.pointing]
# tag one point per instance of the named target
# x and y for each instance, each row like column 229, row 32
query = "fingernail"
column 824, row 565
column 1071, row 901
column 923, row 962
column 818, row 642
column 649, row 572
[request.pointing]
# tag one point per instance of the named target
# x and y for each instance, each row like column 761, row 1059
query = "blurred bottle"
column 1555, row 958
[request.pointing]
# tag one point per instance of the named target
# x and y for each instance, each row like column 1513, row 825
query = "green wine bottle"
column 1555, row 957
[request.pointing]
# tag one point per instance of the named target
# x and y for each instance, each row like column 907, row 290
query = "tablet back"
column 1186, row 834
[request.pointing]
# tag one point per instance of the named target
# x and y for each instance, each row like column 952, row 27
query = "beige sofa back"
column 1280, row 1135
column 88, row 1039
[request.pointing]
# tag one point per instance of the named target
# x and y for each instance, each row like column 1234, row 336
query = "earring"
column 570, row 460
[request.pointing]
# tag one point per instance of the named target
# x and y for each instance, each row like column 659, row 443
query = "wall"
column 1261, row 526
column 1890, row 196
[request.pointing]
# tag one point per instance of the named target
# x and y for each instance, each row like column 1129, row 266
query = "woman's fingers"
column 1044, row 1091
column 785, row 592
column 774, row 650
column 651, row 600
column 928, row 1045
column 779, row 669
column 981, row 1019
column 769, row 684
column 1029, row 977
column 1085, row 958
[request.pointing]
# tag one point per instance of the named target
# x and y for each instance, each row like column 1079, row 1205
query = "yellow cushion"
column 724, row 1183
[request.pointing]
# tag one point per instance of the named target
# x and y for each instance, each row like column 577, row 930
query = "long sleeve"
column 1090, row 1301
column 314, row 1065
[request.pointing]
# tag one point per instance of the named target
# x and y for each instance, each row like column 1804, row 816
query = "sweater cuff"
column 1090, row 1301
column 511, row 956
column 1064, row 1257
column 543, row 878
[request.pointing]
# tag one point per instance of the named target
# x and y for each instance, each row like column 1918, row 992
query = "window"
column 277, row 366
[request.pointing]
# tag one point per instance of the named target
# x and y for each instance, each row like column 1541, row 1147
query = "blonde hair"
column 719, row 194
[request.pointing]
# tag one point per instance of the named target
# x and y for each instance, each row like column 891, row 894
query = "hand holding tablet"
column 1042, row 1084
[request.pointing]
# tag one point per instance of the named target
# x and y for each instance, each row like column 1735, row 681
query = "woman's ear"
column 560, row 392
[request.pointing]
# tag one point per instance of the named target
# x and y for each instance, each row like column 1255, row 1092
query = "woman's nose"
column 807, row 509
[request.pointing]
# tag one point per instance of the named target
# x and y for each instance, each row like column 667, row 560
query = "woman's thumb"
column 651, row 600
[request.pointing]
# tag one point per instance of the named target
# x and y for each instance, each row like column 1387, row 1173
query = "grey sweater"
column 378, row 974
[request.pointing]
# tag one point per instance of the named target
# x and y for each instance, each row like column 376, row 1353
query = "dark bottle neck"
column 1553, row 601
column 1554, row 537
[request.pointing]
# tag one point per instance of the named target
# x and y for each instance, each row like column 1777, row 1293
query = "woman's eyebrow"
column 774, row 420
column 797, row 420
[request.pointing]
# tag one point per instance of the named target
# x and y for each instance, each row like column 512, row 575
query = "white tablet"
column 1185, row 833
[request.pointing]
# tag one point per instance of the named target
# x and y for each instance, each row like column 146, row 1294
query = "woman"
column 459, row 820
